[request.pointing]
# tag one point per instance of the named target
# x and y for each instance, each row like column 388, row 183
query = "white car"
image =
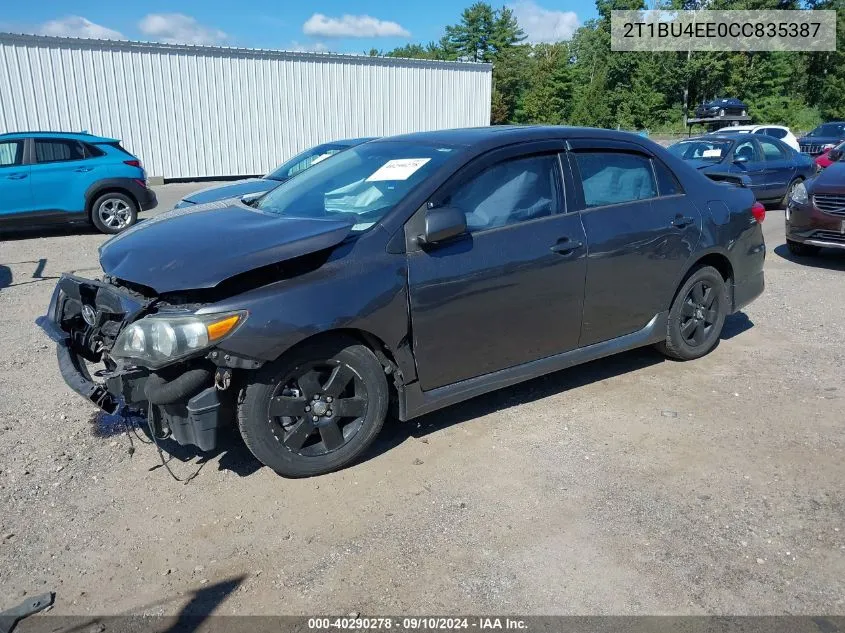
column 777, row 131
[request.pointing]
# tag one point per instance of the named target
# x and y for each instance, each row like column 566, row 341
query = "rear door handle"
column 16, row 176
column 565, row 246
column 83, row 169
column 681, row 221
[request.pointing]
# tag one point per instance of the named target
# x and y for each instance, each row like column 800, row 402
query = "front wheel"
column 697, row 316
column 316, row 410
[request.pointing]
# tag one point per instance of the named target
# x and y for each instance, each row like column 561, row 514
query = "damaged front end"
column 154, row 358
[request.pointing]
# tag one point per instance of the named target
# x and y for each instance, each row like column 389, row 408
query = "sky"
column 320, row 25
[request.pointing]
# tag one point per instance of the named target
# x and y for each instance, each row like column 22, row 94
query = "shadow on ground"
column 828, row 258
column 235, row 456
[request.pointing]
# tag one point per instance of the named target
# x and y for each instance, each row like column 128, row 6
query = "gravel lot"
column 631, row 485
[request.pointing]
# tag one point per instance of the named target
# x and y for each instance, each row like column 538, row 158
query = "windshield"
column 701, row 149
column 304, row 160
column 361, row 184
column 829, row 129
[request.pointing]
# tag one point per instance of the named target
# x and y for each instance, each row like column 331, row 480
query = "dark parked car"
column 415, row 271
column 773, row 167
column 823, row 138
column 258, row 186
column 815, row 217
column 721, row 107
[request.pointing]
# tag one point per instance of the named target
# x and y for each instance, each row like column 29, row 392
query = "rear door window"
column 58, row 150
column 746, row 150
column 615, row 177
column 771, row 150
column 11, row 153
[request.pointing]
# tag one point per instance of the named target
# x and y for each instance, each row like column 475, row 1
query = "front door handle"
column 83, row 169
column 565, row 246
column 16, row 176
column 681, row 221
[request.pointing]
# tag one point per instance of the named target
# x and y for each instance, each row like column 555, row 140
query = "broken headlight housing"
column 162, row 338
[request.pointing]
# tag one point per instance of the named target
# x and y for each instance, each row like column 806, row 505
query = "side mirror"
column 442, row 223
column 740, row 159
column 834, row 155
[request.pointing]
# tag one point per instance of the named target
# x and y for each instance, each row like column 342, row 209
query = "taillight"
column 758, row 211
column 143, row 183
column 132, row 163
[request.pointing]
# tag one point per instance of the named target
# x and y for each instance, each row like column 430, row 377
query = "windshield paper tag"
column 399, row 169
column 711, row 153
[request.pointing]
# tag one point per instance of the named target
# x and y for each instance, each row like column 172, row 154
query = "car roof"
column 75, row 136
column 501, row 135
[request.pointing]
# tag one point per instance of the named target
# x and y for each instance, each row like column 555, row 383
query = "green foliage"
column 581, row 82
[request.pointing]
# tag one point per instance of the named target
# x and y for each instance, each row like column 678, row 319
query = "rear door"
column 641, row 229
column 511, row 289
column 62, row 171
column 15, row 185
column 780, row 167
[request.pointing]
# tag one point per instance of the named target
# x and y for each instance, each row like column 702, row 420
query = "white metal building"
column 201, row 111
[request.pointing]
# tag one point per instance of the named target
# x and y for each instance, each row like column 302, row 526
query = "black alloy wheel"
column 319, row 409
column 315, row 409
column 699, row 314
column 696, row 316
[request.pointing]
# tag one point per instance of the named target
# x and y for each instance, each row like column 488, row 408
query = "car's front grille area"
column 833, row 203
column 811, row 149
column 829, row 236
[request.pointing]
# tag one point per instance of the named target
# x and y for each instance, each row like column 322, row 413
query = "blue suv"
column 57, row 177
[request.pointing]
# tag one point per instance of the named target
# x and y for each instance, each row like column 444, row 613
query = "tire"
column 785, row 200
column 802, row 250
column 697, row 316
column 113, row 212
column 280, row 404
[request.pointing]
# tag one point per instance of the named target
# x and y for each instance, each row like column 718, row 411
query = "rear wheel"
column 113, row 212
column 696, row 316
column 316, row 410
column 786, row 197
column 802, row 250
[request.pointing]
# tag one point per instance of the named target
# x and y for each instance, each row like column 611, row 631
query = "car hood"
column 831, row 180
column 200, row 246
column 819, row 140
column 233, row 190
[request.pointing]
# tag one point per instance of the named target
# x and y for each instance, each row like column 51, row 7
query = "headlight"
column 160, row 339
column 799, row 193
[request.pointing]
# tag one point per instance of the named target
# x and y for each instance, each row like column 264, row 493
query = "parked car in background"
column 59, row 177
column 780, row 132
column 773, row 167
column 830, row 156
column 721, row 107
column 378, row 276
column 815, row 216
column 823, row 138
column 259, row 186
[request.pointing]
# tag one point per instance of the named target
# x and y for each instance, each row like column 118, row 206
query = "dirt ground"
column 632, row 485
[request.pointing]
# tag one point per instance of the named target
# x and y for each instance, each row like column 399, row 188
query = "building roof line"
column 231, row 51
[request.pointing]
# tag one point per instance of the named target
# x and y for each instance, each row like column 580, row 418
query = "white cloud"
column 544, row 25
column 313, row 47
column 77, row 26
column 352, row 26
column 177, row 28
